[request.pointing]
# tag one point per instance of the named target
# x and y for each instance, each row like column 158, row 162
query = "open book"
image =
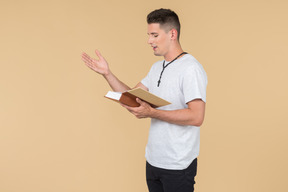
column 129, row 98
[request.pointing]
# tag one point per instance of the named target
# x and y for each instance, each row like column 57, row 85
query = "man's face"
column 159, row 39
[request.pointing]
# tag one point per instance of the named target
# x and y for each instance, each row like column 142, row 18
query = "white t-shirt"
column 172, row 146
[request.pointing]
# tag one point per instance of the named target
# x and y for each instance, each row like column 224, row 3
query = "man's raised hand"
column 98, row 65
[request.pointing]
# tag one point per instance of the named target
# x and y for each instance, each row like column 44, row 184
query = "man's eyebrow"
column 153, row 33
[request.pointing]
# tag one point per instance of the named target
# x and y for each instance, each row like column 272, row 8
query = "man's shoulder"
column 190, row 62
column 190, row 59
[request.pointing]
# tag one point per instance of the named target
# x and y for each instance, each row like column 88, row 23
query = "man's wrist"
column 153, row 113
column 107, row 74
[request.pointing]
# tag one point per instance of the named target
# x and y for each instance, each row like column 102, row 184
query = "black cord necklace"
column 164, row 67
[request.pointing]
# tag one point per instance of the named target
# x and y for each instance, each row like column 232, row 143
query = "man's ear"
column 174, row 34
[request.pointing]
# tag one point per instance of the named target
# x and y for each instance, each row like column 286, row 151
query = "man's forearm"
column 179, row 117
column 193, row 115
column 115, row 83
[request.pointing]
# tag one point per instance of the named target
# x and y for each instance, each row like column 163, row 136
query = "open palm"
column 98, row 65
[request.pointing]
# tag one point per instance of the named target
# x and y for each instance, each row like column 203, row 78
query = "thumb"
column 98, row 53
column 139, row 101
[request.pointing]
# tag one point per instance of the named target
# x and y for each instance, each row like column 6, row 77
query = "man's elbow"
column 197, row 112
column 197, row 121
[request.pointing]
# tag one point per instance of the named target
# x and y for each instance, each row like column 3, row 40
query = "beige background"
column 59, row 134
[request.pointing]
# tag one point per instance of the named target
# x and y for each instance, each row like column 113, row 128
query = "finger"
column 85, row 55
column 139, row 101
column 86, row 58
column 87, row 62
column 130, row 109
column 125, row 106
column 98, row 54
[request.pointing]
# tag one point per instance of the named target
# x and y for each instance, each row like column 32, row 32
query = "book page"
column 113, row 95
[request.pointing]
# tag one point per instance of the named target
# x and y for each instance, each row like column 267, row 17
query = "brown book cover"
column 129, row 98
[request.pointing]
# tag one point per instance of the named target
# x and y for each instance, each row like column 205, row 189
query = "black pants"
column 163, row 180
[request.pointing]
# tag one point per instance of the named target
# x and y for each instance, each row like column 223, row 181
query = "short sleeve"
column 194, row 83
column 145, row 80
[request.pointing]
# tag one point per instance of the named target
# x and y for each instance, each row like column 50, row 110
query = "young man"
column 174, row 136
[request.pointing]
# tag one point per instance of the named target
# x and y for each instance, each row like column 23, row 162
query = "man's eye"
column 155, row 35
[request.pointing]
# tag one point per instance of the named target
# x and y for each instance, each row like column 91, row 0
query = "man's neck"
column 173, row 53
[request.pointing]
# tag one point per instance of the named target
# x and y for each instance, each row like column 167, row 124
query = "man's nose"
column 149, row 40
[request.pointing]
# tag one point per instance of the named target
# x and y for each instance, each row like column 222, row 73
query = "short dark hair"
column 166, row 18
